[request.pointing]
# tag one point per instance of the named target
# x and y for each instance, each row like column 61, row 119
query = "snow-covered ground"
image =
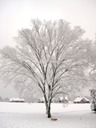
column 23, row 115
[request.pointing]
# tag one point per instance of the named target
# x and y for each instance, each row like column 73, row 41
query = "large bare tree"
column 44, row 56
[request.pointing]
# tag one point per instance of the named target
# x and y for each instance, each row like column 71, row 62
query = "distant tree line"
column 4, row 99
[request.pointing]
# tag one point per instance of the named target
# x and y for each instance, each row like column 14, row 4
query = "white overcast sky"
column 16, row 14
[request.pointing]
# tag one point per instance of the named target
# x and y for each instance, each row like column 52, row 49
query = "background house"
column 17, row 100
column 41, row 100
column 81, row 100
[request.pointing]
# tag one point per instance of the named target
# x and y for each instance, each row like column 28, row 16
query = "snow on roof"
column 78, row 99
column 41, row 99
column 17, row 99
column 61, row 98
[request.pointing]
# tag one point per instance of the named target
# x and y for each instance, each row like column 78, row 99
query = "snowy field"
column 23, row 115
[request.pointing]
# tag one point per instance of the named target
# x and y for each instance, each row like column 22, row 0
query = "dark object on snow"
column 54, row 119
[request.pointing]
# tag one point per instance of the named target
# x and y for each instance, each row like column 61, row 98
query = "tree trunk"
column 48, row 110
column 48, row 107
